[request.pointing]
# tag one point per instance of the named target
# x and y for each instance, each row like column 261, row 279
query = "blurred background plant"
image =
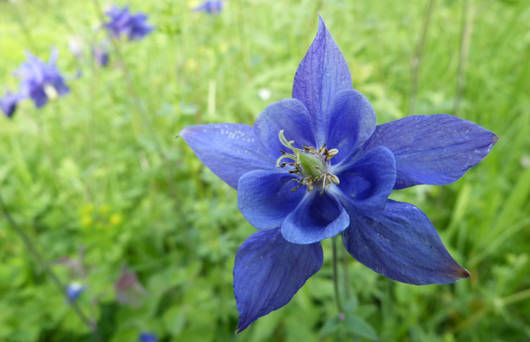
column 145, row 236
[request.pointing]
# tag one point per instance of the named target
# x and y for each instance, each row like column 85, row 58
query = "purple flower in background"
column 316, row 165
column 148, row 337
column 41, row 81
column 101, row 54
column 74, row 290
column 128, row 288
column 210, row 7
column 124, row 23
column 9, row 103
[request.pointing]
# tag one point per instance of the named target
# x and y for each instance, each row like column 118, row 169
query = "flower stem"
column 346, row 275
column 418, row 55
column 138, row 104
column 465, row 40
column 336, row 274
column 55, row 279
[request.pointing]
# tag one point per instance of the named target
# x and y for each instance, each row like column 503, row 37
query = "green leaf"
column 330, row 327
column 359, row 327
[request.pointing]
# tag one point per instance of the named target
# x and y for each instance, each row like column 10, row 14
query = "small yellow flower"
column 87, row 221
column 115, row 219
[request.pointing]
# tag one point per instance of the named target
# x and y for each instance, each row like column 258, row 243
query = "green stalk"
column 336, row 274
column 418, row 56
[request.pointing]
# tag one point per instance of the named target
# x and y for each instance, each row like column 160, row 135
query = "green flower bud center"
column 310, row 164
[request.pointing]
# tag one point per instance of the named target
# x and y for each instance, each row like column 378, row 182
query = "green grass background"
column 100, row 170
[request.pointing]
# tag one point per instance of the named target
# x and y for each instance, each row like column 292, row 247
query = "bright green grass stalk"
column 418, row 56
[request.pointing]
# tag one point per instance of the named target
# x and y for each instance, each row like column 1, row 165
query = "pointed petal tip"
column 182, row 132
column 495, row 139
column 322, row 28
column 458, row 272
column 241, row 327
column 463, row 273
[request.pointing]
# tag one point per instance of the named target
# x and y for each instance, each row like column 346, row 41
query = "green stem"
column 346, row 275
column 139, row 105
column 336, row 274
column 242, row 40
column 418, row 55
column 465, row 40
column 32, row 249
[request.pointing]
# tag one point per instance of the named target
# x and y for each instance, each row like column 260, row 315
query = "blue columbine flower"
column 210, row 7
column 148, row 337
column 101, row 55
column 74, row 290
column 124, row 23
column 9, row 103
column 41, row 81
column 316, row 165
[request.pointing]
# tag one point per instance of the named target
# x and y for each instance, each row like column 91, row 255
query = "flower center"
column 310, row 164
column 50, row 91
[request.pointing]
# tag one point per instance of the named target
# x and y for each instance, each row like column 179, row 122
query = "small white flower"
column 264, row 94
column 75, row 45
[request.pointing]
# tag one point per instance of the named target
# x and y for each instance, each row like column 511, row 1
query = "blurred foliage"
column 100, row 170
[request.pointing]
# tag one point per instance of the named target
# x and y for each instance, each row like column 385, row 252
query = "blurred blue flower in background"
column 210, row 7
column 74, row 290
column 101, row 54
column 316, row 165
column 148, row 337
column 41, row 81
column 9, row 102
column 123, row 23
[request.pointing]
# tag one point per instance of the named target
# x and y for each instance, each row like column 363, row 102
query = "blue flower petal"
column 367, row 182
column 229, row 150
column 147, row 337
column 74, row 290
column 8, row 104
column 402, row 244
column 317, row 217
column 265, row 198
column 433, row 149
column 38, row 96
column 289, row 115
column 352, row 122
column 268, row 272
column 59, row 85
column 211, row 7
column 124, row 23
column 320, row 76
